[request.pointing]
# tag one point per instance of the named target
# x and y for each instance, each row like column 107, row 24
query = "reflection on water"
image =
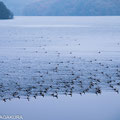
column 85, row 107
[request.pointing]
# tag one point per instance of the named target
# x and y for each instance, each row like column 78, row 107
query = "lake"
column 60, row 68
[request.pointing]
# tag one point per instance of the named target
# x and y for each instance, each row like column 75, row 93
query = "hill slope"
column 73, row 8
column 64, row 7
column 5, row 13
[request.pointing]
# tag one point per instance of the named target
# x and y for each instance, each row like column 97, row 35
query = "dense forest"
column 5, row 13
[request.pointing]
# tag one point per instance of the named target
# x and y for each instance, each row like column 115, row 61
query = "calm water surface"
column 86, row 107
column 28, row 44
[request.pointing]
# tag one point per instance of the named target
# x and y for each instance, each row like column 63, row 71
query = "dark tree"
column 5, row 13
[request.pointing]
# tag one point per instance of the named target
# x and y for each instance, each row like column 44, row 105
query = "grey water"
column 64, row 68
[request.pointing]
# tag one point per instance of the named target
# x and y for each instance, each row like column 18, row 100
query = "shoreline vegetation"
column 5, row 13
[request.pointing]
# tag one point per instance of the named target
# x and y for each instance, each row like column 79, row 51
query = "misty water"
column 60, row 68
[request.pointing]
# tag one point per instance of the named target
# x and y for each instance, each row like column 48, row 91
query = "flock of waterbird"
column 56, row 73
column 41, row 68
